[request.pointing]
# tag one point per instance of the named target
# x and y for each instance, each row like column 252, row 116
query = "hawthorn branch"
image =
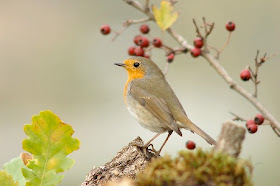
column 218, row 68
column 239, row 118
column 251, row 98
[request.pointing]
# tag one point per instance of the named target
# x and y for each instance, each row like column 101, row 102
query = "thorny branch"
column 218, row 68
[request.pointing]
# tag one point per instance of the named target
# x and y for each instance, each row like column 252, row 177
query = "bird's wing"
column 155, row 105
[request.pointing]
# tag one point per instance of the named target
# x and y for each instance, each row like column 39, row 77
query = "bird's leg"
column 169, row 134
column 148, row 143
column 145, row 147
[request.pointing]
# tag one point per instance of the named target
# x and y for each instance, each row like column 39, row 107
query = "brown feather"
column 157, row 106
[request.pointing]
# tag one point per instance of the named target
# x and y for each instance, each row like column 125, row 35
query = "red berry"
column 136, row 39
column 144, row 29
column 170, row 58
column 147, row 56
column 105, row 29
column 190, row 145
column 259, row 119
column 131, row 51
column 250, row 122
column 139, row 51
column 157, row 42
column 143, row 42
column 245, row 75
column 198, row 42
column 252, row 128
column 195, row 52
column 230, row 26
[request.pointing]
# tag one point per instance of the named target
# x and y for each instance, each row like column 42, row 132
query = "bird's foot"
column 157, row 153
column 149, row 153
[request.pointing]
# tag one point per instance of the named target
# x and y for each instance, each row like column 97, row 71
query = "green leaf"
column 13, row 168
column 49, row 141
column 6, row 179
column 164, row 16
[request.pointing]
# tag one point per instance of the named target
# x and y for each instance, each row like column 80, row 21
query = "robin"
column 150, row 99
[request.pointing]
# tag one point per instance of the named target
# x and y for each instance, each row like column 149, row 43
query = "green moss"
column 196, row 168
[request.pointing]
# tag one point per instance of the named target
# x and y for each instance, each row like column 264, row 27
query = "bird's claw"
column 149, row 153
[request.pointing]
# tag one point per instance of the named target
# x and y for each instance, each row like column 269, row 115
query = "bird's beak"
column 120, row 64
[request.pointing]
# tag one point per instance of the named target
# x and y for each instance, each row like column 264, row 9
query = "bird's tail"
column 192, row 127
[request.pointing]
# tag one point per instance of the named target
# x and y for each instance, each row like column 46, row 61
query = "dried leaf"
column 25, row 157
column 164, row 16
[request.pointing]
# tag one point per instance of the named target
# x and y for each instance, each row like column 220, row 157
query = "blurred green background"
column 53, row 57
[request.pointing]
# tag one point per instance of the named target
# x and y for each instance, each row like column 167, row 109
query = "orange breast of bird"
column 132, row 74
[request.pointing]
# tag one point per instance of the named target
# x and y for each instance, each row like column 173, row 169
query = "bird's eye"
column 136, row 64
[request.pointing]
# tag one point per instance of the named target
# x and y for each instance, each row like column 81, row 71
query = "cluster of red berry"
column 252, row 124
column 198, row 44
column 142, row 43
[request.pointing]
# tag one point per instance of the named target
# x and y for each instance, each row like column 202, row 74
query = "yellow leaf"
column 164, row 16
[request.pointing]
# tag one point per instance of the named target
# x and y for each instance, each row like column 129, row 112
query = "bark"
column 127, row 163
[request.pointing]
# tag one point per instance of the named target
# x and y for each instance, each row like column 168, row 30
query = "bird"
column 150, row 99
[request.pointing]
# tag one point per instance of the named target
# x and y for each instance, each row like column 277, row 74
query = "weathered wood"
column 231, row 139
column 127, row 163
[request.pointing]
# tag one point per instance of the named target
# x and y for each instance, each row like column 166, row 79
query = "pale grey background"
column 52, row 56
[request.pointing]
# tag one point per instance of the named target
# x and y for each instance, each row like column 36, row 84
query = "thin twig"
column 140, row 7
column 206, row 34
column 258, row 63
column 225, row 45
column 126, row 24
column 198, row 34
column 147, row 5
column 205, row 25
column 214, row 48
column 237, row 118
column 168, row 49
